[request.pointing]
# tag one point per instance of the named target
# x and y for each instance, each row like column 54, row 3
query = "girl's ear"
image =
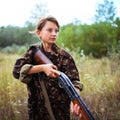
column 38, row 32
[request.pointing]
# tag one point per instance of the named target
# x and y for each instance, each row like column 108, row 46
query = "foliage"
column 15, row 49
column 16, row 35
column 70, row 36
column 116, row 47
column 101, row 91
column 39, row 11
column 105, row 12
column 98, row 39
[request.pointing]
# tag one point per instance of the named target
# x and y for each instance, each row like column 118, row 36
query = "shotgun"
column 40, row 58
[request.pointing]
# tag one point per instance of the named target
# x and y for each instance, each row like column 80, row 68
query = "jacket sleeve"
column 70, row 69
column 24, row 76
column 22, row 66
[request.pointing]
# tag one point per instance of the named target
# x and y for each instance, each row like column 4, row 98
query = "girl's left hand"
column 75, row 110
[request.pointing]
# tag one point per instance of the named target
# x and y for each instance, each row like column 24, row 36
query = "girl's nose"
column 54, row 33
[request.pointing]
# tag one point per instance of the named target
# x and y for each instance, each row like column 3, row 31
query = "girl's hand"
column 51, row 70
column 75, row 110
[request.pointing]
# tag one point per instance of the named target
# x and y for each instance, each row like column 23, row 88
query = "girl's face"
column 49, row 33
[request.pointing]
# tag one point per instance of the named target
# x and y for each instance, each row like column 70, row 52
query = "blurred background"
column 90, row 31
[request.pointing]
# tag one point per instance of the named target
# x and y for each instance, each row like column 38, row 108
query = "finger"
column 71, row 106
column 80, row 116
column 55, row 72
column 54, row 67
column 76, row 109
column 54, row 75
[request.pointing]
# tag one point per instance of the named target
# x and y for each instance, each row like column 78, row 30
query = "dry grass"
column 101, row 87
column 13, row 95
column 101, row 93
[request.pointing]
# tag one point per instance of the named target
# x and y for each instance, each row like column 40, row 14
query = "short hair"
column 41, row 23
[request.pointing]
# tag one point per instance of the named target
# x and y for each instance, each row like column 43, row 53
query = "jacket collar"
column 54, row 51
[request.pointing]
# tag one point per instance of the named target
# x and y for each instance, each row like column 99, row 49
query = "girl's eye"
column 50, row 30
column 57, row 31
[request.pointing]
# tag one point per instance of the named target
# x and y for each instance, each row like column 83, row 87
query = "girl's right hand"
column 51, row 70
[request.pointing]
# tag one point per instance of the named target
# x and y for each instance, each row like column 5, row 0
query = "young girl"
column 26, row 70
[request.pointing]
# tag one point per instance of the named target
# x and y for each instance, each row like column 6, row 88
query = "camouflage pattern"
column 59, row 100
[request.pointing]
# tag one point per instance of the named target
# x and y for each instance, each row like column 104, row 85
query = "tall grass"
column 101, row 79
column 13, row 95
column 101, row 92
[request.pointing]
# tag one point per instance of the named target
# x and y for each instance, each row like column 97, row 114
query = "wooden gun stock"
column 40, row 58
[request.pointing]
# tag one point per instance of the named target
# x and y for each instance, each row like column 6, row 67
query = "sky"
column 17, row 12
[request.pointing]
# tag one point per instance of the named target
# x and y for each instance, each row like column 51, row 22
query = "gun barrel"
column 75, row 97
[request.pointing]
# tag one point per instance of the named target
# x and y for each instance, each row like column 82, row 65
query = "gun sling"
column 47, row 102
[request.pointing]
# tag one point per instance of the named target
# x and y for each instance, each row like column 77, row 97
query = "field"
column 101, row 93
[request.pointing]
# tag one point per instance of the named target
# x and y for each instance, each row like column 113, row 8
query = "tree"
column 39, row 11
column 97, row 39
column 117, row 30
column 105, row 12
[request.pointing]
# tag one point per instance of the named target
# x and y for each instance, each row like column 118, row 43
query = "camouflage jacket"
column 59, row 100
